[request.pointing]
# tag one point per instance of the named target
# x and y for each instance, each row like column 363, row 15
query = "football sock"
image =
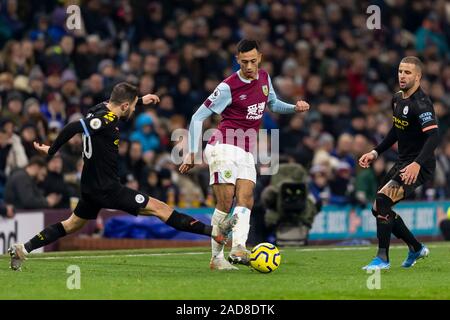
column 384, row 230
column 242, row 227
column 183, row 222
column 401, row 231
column 217, row 248
column 45, row 237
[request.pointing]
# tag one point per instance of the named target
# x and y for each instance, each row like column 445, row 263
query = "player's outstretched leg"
column 417, row 250
column 19, row 251
column 183, row 222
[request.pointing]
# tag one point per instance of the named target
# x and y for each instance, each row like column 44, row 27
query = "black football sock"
column 46, row 236
column 384, row 230
column 183, row 222
column 401, row 231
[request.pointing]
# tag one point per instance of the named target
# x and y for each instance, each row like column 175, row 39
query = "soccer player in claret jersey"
column 100, row 186
column 416, row 131
column 241, row 100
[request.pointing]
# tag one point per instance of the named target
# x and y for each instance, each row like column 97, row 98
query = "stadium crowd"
column 319, row 51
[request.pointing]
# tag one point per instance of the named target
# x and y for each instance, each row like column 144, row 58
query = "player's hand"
column 150, row 98
column 301, row 106
column 367, row 158
column 188, row 163
column 53, row 199
column 410, row 172
column 42, row 148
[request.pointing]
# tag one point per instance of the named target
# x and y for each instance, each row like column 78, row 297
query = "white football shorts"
column 227, row 163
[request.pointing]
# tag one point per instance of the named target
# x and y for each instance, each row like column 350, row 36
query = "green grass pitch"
column 305, row 273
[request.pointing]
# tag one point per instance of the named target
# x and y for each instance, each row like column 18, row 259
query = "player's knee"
column 225, row 203
column 246, row 202
column 73, row 224
column 157, row 208
column 224, row 206
column 383, row 205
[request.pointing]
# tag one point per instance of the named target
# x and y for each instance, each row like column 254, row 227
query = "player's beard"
column 408, row 85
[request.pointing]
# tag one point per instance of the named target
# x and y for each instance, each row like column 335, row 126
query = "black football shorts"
column 426, row 173
column 120, row 198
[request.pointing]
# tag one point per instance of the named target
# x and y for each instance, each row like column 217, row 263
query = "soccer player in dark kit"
column 416, row 131
column 100, row 186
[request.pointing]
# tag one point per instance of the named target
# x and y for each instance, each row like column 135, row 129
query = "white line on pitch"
column 355, row 248
column 118, row 255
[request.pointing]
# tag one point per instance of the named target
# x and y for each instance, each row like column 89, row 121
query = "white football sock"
column 23, row 248
column 242, row 227
column 217, row 248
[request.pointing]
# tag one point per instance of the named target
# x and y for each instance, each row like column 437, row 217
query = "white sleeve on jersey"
column 272, row 95
column 219, row 99
column 276, row 105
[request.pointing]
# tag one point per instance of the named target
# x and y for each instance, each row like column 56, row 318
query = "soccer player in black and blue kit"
column 416, row 130
column 100, row 186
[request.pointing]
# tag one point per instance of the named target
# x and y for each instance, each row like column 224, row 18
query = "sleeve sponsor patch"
column 425, row 117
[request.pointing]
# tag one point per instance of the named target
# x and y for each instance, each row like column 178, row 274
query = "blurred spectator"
column 341, row 185
column 14, row 106
column 59, row 56
column 368, row 181
column 319, row 184
column 13, row 151
column 33, row 115
column 442, row 175
column 343, row 150
column 93, row 94
column 152, row 185
column 54, row 182
column 37, row 81
column 55, row 110
column 28, row 135
column 185, row 98
column 22, row 189
column 135, row 164
column 292, row 136
column 171, row 192
column 71, row 153
column 145, row 133
column 70, row 91
column 73, row 179
column 429, row 34
column 124, row 146
column 6, row 210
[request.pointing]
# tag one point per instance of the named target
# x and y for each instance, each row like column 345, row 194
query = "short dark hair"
column 413, row 60
column 123, row 92
column 246, row 45
column 38, row 161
